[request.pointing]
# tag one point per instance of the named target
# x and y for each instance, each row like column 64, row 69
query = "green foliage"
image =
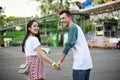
column 13, row 18
column 106, row 20
column 88, row 26
column 2, row 20
column 52, row 7
column 6, row 22
column 2, row 17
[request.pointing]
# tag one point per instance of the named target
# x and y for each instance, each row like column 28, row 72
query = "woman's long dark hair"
column 28, row 33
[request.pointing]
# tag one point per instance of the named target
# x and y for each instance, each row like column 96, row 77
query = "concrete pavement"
column 106, row 64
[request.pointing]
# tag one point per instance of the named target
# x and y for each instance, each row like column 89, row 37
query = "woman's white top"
column 30, row 45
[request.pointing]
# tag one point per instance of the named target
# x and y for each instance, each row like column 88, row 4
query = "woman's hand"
column 56, row 66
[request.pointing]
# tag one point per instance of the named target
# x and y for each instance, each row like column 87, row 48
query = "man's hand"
column 57, row 67
column 60, row 64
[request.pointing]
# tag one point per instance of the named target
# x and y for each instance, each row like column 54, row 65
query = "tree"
column 49, row 7
column 88, row 27
column 2, row 17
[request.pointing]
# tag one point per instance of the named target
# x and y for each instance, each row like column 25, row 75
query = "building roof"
column 102, row 7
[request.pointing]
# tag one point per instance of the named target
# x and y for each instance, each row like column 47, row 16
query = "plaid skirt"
column 36, row 68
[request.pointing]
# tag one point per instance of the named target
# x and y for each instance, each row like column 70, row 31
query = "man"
column 76, row 41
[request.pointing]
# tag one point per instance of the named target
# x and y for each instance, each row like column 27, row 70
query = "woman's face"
column 34, row 29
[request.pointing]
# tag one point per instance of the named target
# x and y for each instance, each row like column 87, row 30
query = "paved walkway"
column 106, row 64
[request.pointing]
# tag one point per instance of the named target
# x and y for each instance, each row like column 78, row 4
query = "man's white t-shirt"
column 30, row 45
column 82, row 57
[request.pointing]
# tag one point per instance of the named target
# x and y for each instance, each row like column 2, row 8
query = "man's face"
column 64, row 19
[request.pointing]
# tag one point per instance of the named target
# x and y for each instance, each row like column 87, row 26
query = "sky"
column 20, row 8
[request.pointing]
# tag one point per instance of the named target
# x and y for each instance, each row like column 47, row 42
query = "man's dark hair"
column 65, row 11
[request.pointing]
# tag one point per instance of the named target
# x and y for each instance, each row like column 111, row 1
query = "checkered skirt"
column 36, row 68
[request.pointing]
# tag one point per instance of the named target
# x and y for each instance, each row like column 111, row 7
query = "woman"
column 32, row 48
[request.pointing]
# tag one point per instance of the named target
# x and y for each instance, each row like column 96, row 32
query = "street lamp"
column 0, row 8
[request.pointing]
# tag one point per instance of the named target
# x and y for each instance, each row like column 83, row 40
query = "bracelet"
column 53, row 63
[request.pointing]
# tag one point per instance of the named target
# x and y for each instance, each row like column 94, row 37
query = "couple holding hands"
column 31, row 46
